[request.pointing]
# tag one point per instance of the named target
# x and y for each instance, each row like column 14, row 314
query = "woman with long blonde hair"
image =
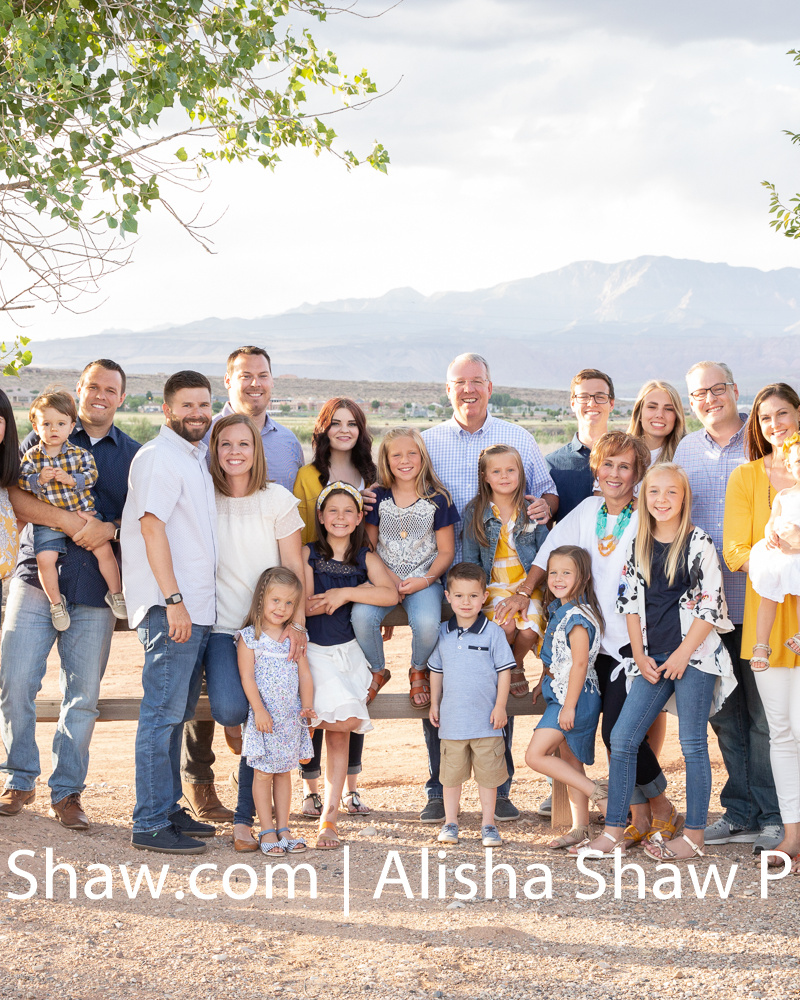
column 658, row 419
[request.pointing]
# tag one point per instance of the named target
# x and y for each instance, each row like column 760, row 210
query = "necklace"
column 606, row 543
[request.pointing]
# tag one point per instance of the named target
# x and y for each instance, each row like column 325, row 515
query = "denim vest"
column 528, row 539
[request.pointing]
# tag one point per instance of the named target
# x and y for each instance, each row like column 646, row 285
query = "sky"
column 523, row 134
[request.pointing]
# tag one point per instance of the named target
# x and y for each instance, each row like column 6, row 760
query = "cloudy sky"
column 524, row 135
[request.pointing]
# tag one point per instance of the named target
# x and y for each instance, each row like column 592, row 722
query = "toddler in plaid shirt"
column 62, row 474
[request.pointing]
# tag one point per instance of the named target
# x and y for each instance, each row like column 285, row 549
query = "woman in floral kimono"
column 672, row 596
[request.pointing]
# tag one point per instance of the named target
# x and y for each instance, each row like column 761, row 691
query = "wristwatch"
column 174, row 599
column 116, row 533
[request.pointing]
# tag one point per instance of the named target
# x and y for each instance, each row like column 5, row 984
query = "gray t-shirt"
column 469, row 660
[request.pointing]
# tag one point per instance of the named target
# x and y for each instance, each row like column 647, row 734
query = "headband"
column 790, row 442
column 345, row 487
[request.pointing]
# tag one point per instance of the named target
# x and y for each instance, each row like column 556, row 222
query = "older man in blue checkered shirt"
column 454, row 447
column 709, row 456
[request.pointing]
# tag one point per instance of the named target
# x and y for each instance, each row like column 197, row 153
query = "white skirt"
column 773, row 573
column 341, row 678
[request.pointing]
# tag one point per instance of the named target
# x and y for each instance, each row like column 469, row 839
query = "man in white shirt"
column 169, row 560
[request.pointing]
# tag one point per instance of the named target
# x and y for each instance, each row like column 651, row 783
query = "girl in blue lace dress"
column 340, row 569
column 280, row 692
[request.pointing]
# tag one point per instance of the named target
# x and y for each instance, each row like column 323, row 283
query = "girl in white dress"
column 775, row 573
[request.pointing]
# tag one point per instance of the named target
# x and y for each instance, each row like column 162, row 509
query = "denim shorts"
column 48, row 540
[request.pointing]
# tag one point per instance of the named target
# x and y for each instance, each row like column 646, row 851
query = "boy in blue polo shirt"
column 470, row 680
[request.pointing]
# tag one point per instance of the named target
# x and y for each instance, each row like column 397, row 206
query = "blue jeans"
column 48, row 540
column 229, row 707
column 433, row 787
column 28, row 637
column 748, row 799
column 693, row 695
column 424, row 610
column 171, row 680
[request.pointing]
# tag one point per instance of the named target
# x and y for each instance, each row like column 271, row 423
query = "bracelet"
column 305, row 722
column 525, row 593
column 299, row 628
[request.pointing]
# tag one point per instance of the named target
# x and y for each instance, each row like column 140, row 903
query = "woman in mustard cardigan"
column 752, row 487
column 342, row 452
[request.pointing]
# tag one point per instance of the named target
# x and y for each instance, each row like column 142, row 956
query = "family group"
column 651, row 570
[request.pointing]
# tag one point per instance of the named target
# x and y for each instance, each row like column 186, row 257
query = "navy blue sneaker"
column 167, row 840
column 505, row 811
column 190, row 826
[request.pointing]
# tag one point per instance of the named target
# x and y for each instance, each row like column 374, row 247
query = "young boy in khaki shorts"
column 470, row 679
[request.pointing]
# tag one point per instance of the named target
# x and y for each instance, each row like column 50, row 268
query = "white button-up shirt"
column 169, row 478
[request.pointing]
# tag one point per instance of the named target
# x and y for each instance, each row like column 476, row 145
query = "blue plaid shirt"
column 80, row 579
column 454, row 453
column 709, row 467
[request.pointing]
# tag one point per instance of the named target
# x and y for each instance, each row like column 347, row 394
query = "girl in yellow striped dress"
column 499, row 536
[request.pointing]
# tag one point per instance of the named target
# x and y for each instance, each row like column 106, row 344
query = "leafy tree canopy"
column 787, row 217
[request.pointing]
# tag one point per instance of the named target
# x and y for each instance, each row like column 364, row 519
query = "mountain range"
column 637, row 319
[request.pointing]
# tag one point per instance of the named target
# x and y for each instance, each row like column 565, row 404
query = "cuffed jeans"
column 433, row 787
column 28, row 637
column 229, row 707
column 171, row 679
column 748, row 798
column 694, row 692
column 424, row 610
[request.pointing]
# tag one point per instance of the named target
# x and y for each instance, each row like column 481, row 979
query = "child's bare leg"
column 539, row 757
column 335, row 772
column 48, row 575
column 452, row 799
column 578, row 801
column 262, row 798
column 488, row 797
column 282, row 798
column 765, row 619
column 108, row 567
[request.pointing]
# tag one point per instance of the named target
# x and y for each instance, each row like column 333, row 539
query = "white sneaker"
column 117, row 604
column 723, row 832
column 60, row 616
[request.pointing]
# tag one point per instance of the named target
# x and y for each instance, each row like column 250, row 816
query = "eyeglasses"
column 465, row 383
column 716, row 390
column 586, row 397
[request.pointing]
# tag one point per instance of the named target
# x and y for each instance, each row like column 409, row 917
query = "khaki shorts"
column 484, row 757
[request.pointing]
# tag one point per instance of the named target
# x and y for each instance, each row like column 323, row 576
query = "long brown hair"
column 756, row 444
column 643, row 548
column 427, row 483
column 258, row 472
column 358, row 540
column 584, row 592
column 473, row 515
column 275, row 576
column 321, row 443
column 678, row 431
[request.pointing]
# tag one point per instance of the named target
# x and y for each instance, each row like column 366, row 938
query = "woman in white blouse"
column 258, row 526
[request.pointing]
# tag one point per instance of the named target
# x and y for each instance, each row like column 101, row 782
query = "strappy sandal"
column 633, row 836
column 584, row 848
column 599, row 792
column 764, row 660
column 356, row 806
column 577, row 835
column 671, row 826
column 420, row 684
column 298, row 846
column 378, row 681
column 792, row 648
column 316, row 803
column 332, row 837
column 279, row 847
column 519, row 681
column 657, row 849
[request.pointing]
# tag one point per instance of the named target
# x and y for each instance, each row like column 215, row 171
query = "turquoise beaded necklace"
column 606, row 543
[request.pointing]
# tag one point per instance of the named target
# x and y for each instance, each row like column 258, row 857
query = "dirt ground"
column 509, row 945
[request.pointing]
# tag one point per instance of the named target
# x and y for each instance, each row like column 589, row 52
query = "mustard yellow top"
column 307, row 488
column 747, row 510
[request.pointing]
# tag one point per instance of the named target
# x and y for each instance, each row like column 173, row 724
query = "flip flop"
column 377, row 682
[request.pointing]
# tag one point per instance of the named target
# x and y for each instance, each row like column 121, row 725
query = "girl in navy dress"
column 569, row 685
column 340, row 569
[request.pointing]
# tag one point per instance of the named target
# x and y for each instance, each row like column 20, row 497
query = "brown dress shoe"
column 233, row 737
column 204, row 803
column 69, row 812
column 13, row 799
column 245, row 846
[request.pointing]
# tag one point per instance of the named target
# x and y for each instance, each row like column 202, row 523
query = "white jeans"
column 779, row 688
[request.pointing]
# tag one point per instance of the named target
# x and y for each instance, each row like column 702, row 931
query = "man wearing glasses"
column 709, row 456
column 592, row 400
column 454, row 448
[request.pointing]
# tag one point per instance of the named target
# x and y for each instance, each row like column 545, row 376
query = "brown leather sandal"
column 377, row 682
column 519, row 683
column 420, row 684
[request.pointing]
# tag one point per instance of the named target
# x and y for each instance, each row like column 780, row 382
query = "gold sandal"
column 768, row 649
